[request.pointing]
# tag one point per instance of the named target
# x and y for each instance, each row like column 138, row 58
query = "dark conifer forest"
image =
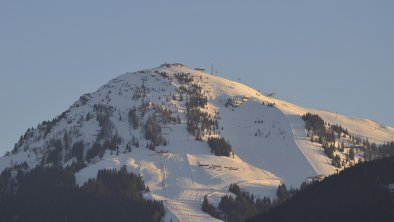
column 50, row 194
column 359, row 193
column 219, row 146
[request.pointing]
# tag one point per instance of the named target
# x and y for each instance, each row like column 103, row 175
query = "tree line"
column 243, row 205
column 359, row 193
column 326, row 134
column 50, row 194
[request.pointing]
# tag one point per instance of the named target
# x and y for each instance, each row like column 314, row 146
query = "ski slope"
column 270, row 143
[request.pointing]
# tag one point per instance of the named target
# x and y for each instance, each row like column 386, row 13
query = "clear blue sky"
column 334, row 55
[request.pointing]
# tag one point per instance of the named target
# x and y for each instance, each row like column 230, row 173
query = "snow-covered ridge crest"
column 157, row 123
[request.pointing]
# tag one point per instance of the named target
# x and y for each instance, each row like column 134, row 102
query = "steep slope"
column 157, row 122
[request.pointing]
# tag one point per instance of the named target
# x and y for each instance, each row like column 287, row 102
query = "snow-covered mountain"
column 157, row 123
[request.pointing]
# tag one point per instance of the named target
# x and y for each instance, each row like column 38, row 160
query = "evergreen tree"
column 219, row 146
column 351, row 154
column 209, row 208
column 282, row 193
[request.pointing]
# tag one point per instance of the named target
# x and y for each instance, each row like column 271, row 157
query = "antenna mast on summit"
column 212, row 69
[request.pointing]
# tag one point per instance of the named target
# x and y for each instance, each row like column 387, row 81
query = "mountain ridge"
column 157, row 121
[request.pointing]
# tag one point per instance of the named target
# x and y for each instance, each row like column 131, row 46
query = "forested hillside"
column 50, row 194
column 359, row 193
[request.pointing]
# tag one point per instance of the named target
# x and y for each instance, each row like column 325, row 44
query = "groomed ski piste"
column 269, row 142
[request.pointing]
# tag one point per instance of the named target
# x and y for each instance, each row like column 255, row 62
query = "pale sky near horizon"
column 333, row 55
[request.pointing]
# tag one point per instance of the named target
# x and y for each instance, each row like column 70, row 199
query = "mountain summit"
column 191, row 134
